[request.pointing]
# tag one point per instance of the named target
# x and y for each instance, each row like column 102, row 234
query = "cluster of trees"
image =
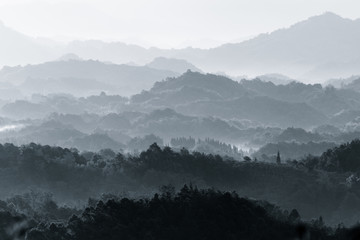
column 187, row 214
column 291, row 150
column 183, row 142
column 344, row 158
column 142, row 143
column 208, row 145
column 20, row 213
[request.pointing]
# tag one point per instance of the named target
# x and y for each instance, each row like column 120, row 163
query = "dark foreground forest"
column 58, row 193
column 188, row 214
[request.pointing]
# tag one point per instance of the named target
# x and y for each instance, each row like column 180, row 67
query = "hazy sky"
column 163, row 23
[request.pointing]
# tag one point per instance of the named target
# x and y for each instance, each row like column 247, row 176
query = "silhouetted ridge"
column 225, row 87
column 103, row 76
column 188, row 214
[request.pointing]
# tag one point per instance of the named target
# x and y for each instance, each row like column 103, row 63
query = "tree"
column 294, row 216
column 247, row 159
column 278, row 159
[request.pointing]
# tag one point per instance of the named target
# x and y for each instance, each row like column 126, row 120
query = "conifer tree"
column 278, row 159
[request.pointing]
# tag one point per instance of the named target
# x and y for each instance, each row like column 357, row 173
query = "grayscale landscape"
column 168, row 120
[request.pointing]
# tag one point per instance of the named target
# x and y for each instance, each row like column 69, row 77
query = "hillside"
column 333, row 41
column 17, row 48
column 74, row 76
column 256, row 100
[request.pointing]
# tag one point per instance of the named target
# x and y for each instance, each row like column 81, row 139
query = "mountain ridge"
column 306, row 50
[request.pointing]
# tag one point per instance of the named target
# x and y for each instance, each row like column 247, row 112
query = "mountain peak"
column 327, row 17
column 69, row 57
column 173, row 64
column 327, row 20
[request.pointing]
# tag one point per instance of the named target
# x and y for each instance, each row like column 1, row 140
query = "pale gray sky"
column 163, row 23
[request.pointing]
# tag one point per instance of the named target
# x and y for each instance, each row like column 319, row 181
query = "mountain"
column 354, row 84
column 17, row 48
column 319, row 40
column 193, row 93
column 172, row 64
column 48, row 132
column 298, row 135
column 85, row 77
column 69, row 57
column 212, row 95
column 222, row 86
column 316, row 49
column 335, row 68
column 189, row 88
column 259, row 109
column 94, row 142
column 24, row 109
column 310, row 50
column 326, row 100
column 168, row 123
column 276, row 78
column 116, row 52
column 291, row 92
column 340, row 82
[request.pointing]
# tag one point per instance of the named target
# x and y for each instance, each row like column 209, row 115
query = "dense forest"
column 189, row 213
column 45, row 185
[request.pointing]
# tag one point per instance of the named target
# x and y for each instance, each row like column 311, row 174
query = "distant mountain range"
column 192, row 93
column 293, row 104
column 340, row 82
column 246, row 113
column 81, row 78
column 320, row 47
column 316, row 49
column 17, row 48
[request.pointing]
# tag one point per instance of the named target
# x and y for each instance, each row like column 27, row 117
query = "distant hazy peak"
column 70, row 56
column 196, row 76
column 100, row 44
column 275, row 78
column 172, row 64
column 327, row 19
column 328, row 16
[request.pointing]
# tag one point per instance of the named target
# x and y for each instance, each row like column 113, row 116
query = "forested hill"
column 188, row 214
column 73, row 176
column 194, row 93
column 345, row 158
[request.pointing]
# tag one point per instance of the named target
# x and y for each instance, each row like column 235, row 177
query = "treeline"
column 73, row 176
column 187, row 214
column 344, row 158
column 291, row 150
column 208, row 145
